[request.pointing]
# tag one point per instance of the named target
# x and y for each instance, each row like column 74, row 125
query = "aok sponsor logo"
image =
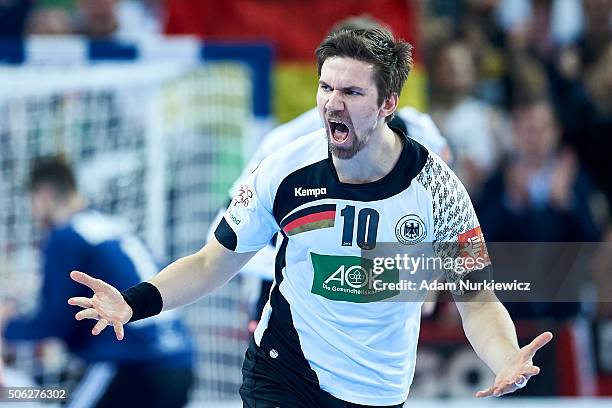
column 309, row 192
column 350, row 279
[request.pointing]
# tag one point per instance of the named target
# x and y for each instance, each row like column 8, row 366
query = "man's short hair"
column 360, row 22
column 53, row 171
column 392, row 59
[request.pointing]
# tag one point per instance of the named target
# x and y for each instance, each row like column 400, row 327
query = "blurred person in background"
column 112, row 19
column 596, row 34
column 477, row 25
column 48, row 21
column 538, row 194
column 493, row 30
column 153, row 367
column 540, row 186
column 97, row 19
column 540, row 26
column 587, row 115
column 475, row 130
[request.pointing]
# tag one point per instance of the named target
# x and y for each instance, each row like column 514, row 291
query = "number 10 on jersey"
column 367, row 227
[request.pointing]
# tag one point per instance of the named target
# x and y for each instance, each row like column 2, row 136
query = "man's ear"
column 389, row 105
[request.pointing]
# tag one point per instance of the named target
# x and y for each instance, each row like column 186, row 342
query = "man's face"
column 347, row 102
column 455, row 71
column 535, row 130
column 41, row 202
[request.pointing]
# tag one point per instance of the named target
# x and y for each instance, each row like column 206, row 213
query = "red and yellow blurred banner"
column 295, row 28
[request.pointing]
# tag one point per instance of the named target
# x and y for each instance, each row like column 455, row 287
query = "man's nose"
column 335, row 101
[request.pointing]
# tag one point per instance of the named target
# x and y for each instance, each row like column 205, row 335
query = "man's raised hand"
column 107, row 305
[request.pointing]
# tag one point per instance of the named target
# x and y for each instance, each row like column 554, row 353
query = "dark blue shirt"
column 101, row 247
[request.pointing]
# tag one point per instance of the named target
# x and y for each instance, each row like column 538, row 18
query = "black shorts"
column 265, row 385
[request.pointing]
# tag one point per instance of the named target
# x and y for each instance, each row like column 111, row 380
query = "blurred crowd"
column 521, row 89
column 97, row 19
column 523, row 92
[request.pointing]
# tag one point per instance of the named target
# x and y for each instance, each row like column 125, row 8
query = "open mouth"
column 339, row 131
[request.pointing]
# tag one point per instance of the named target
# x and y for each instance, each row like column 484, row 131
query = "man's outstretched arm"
column 200, row 274
column 180, row 283
column 492, row 334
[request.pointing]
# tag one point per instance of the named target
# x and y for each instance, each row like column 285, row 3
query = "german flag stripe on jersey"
column 309, row 219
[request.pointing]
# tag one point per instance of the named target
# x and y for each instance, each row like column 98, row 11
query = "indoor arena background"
column 159, row 103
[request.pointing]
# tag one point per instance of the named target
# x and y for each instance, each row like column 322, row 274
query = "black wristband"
column 144, row 299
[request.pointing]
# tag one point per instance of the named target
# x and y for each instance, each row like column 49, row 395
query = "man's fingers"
column 92, row 283
column 538, row 343
column 102, row 323
column 118, row 326
column 80, row 301
column 484, row 393
column 87, row 314
column 509, row 384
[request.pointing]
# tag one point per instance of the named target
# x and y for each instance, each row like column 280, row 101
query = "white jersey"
column 353, row 343
column 419, row 126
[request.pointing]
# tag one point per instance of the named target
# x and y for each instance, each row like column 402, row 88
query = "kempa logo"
column 307, row 192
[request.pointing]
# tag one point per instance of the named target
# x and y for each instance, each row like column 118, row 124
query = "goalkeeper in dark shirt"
column 153, row 366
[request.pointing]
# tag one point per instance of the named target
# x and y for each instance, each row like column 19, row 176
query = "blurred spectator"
column 586, row 110
column 97, row 18
column 577, row 57
column 481, row 14
column 597, row 33
column 474, row 22
column 480, row 30
column 476, row 131
column 468, row 14
column 48, row 21
column 108, row 19
column 526, row 79
column 539, row 195
column 541, row 25
column 13, row 15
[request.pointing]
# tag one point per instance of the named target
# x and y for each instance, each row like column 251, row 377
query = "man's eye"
column 353, row 92
column 325, row 87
